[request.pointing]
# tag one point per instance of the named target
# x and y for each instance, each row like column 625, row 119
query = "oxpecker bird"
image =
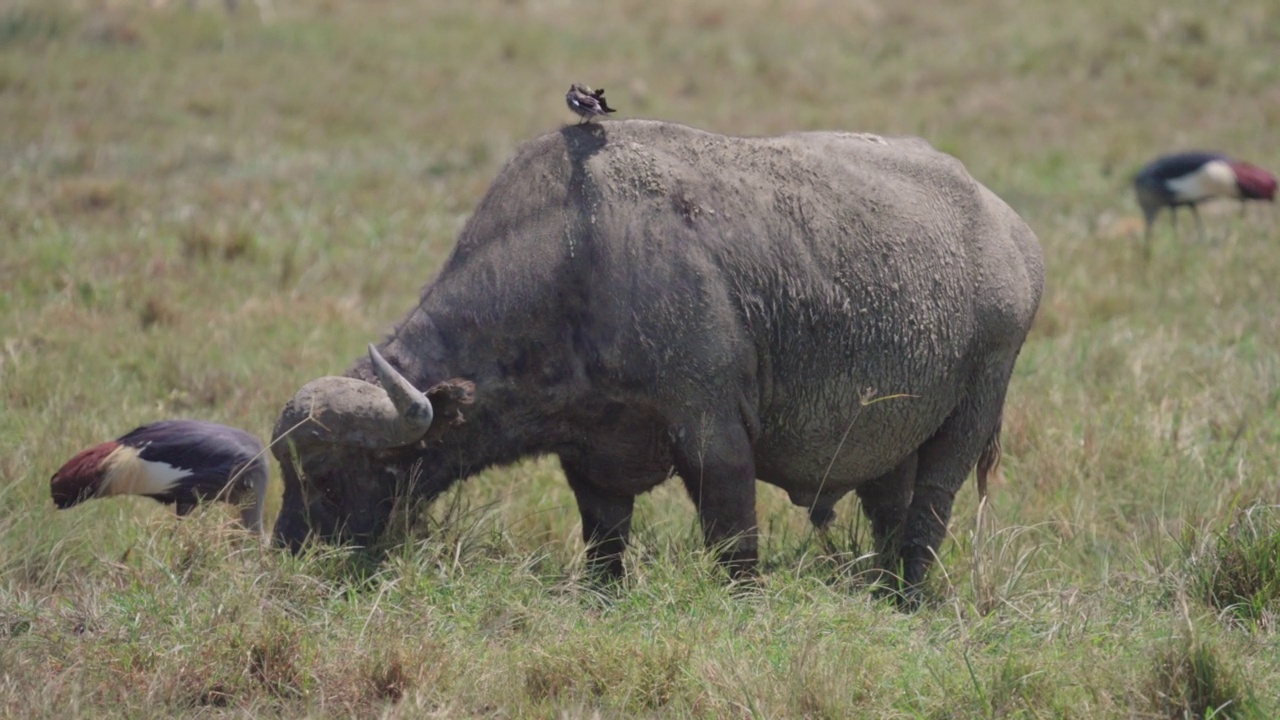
column 177, row 462
column 586, row 102
column 1190, row 178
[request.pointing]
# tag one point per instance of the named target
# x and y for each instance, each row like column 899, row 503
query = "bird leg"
column 1199, row 222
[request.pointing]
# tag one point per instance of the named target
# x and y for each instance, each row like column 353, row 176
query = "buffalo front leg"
column 718, row 470
column 606, row 522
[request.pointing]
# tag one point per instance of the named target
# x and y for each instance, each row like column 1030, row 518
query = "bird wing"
column 188, row 459
column 194, row 445
column 586, row 102
column 598, row 96
column 204, row 486
column 1176, row 165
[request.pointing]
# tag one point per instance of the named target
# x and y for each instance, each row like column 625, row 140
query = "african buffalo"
column 822, row 311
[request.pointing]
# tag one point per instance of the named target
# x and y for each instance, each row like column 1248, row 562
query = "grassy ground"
column 201, row 212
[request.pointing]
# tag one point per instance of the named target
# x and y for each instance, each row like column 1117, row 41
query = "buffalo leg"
column 885, row 501
column 718, row 471
column 945, row 460
column 606, row 522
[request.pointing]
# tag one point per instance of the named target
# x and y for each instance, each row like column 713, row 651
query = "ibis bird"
column 586, row 102
column 1190, row 178
column 177, row 462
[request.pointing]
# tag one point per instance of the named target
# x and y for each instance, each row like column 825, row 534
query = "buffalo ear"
column 447, row 399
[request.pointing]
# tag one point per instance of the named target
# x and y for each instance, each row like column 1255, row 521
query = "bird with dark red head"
column 176, row 462
column 1190, row 178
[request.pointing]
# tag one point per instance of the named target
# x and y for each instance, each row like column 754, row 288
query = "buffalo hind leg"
column 885, row 501
column 715, row 462
column 945, row 460
column 606, row 522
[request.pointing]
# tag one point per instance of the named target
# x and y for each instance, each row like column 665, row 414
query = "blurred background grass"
column 200, row 211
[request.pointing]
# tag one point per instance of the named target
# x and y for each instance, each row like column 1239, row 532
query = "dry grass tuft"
column 273, row 663
column 90, row 195
column 1237, row 571
column 155, row 311
column 1191, row 681
column 200, row 242
column 390, row 679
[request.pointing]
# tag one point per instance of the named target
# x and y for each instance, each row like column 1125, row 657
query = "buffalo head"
column 346, row 447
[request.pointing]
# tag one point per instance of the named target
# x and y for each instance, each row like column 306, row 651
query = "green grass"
column 201, row 212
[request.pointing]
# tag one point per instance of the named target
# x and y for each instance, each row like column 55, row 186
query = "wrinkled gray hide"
column 826, row 312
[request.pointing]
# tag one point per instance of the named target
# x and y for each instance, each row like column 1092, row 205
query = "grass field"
column 199, row 212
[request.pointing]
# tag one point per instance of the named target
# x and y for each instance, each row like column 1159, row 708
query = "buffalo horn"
column 414, row 407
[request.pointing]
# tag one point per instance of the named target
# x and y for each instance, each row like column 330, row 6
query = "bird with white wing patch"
column 176, row 462
column 1190, row 178
column 587, row 103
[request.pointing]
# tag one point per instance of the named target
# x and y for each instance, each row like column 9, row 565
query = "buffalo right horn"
column 415, row 409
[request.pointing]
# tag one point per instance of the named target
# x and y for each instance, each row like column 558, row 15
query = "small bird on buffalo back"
column 1190, row 178
column 176, row 462
column 586, row 102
